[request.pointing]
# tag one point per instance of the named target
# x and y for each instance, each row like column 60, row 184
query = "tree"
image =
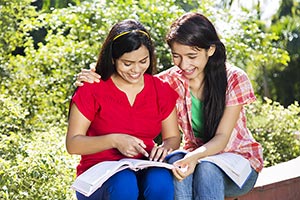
column 286, row 24
column 279, row 78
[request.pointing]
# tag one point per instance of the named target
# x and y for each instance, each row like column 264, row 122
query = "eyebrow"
column 125, row 60
column 188, row 54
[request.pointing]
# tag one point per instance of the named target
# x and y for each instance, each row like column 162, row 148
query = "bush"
column 276, row 128
column 41, row 169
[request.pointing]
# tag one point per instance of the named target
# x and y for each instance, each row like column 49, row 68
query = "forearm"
column 214, row 146
column 82, row 145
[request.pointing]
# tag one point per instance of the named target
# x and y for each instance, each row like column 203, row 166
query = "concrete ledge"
column 278, row 182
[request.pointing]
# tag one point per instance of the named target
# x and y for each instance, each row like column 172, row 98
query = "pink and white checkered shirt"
column 239, row 91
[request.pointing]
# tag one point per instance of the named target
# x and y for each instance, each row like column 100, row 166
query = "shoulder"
column 239, row 88
column 236, row 75
column 234, row 71
column 91, row 88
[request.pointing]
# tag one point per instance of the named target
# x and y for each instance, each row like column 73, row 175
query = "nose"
column 183, row 64
column 135, row 68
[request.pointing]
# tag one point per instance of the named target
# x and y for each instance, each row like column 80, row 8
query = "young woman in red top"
column 121, row 116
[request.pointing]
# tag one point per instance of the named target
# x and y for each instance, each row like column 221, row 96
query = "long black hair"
column 195, row 30
column 125, row 36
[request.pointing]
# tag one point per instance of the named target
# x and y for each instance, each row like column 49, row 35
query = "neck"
column 196, row 87
column 122, row 83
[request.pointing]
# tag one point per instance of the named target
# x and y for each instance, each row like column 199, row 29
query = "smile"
column 189, row 71
column 135, row 76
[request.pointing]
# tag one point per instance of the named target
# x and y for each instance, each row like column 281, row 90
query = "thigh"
column 183, row 190
column 121, row 186
column 208, row 182
column 156, row 183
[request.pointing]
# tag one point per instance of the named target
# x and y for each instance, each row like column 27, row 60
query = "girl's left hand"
column 158, row 153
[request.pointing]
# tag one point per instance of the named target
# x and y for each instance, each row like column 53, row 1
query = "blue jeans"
column 148, row 184
column 209, row 182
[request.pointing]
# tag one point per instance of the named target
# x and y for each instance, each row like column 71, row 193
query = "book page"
column 100, row 170
column 141, row 164
column 234, row 165
column 94, row 177
column 82, row 187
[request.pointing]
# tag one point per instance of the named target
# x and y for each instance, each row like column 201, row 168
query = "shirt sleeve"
column 84, row 99
column 239, row 90
column 166, row 97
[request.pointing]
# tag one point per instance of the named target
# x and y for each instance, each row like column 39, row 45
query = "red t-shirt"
column 109, row 111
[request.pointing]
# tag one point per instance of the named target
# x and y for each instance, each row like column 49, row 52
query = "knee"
column 159, row 178
column 208, row 170
column 158, row 182
column 208, row 182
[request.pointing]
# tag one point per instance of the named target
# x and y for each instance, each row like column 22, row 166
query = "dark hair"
column 194, row 29
column 125, row 36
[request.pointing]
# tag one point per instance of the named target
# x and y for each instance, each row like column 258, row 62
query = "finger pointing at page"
column 140, row 148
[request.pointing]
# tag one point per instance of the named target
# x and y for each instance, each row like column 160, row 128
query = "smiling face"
column 191, row 60
column 132, row 66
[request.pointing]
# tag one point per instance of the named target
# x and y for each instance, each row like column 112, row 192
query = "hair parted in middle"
column 125, row 36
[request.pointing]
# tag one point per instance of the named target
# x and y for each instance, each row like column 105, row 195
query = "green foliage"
column 41, row 51
column 49, row 4
column 276, row 128
column 270, row 54
column 36, row 167
column 253, row 49
column 33, row 161
column 286, row 24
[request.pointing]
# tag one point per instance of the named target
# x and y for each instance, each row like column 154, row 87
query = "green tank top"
column 197, row 117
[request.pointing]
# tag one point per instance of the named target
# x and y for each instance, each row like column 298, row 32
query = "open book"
column 234, row 165
column 89, row 181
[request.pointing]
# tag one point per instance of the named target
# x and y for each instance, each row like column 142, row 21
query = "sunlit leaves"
column 276, row 128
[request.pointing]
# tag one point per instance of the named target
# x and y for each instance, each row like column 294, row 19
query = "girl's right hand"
column 87, row 75
column 184, row 167
column 129, row 146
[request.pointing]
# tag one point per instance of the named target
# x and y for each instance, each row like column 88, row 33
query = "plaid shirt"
column 239, row 91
